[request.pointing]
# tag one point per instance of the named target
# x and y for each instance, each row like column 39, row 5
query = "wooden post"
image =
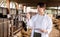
column 8, row 5
column 8, row 11
column 17, row 7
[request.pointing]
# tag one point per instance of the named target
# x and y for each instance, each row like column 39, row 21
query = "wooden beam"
column 50, row 3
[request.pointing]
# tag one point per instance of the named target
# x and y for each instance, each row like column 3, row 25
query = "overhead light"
column 28, row 9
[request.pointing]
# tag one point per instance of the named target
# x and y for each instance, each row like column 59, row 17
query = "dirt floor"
column 54, row 33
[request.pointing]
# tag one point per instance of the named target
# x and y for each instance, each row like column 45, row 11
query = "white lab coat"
column 40, row 22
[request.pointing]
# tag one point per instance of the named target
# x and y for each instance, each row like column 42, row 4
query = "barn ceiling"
column 49, row 3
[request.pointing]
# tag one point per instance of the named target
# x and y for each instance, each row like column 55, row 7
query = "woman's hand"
column 44, row 31
column 28, row 16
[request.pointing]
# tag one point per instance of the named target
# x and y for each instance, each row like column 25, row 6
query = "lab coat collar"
column 43, row 15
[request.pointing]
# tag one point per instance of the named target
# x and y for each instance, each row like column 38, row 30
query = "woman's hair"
column 41, row 4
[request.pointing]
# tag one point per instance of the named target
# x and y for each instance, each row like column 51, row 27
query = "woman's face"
column 40, row 9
